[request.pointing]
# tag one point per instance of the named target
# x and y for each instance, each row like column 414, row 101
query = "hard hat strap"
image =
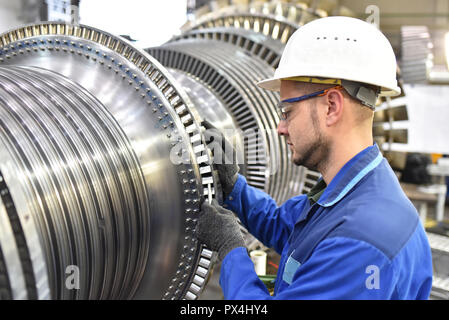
column 315, row 80
column 365, row 95
column 357, row 90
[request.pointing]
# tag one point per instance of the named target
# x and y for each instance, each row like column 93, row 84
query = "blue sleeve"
column 339, row 268
column 260, row 214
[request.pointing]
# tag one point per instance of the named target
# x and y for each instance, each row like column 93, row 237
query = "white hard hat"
column 338, row 48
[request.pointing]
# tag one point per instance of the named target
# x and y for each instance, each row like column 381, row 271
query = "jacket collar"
column 351, row 173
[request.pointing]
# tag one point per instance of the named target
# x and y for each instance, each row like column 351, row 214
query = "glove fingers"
column 218, row 228
column 206, row 205
column 227, row 149
column 213, row 208
column 224, row 211
column 219, row 209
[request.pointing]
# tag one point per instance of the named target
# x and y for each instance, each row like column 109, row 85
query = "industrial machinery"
column 102, row 170
column 104, row 161
column 227, row 51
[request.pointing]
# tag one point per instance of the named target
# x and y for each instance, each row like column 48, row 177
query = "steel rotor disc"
column 167, row 162
column 264, row 47
column 229, row 72
column 276, row 20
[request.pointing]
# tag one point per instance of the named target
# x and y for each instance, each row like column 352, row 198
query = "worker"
column 355, row 235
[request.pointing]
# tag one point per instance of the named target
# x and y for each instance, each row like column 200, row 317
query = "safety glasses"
column 283, row 110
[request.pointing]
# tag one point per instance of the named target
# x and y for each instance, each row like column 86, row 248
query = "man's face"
column 302, row 129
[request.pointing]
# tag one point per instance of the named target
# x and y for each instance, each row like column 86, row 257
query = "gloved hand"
column 224, row 159
column 218, row 229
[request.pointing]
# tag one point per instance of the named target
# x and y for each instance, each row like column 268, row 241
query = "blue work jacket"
column 362, row 239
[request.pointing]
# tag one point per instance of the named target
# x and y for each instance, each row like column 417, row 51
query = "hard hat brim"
column 274, row 84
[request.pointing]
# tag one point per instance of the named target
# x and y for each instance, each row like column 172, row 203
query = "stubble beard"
column 314, row 155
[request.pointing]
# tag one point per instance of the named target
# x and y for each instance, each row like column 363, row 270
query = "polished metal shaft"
column 103, row 170
column 85, row 188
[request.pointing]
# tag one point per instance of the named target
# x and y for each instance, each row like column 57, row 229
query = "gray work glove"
column 224, row 159
column 218, row 229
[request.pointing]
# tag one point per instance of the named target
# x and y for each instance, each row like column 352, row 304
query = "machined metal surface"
column 264, row 47
column 103, row 161
column 52, row 129
column 14, row 260
column 231, row 74
column 111, row 161
column 274, row 19
column 213, row 109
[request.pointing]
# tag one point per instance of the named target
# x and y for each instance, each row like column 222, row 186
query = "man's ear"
column 335, row 106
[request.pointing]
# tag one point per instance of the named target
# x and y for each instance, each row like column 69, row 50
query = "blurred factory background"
column 195, row 41
column 135, row 19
